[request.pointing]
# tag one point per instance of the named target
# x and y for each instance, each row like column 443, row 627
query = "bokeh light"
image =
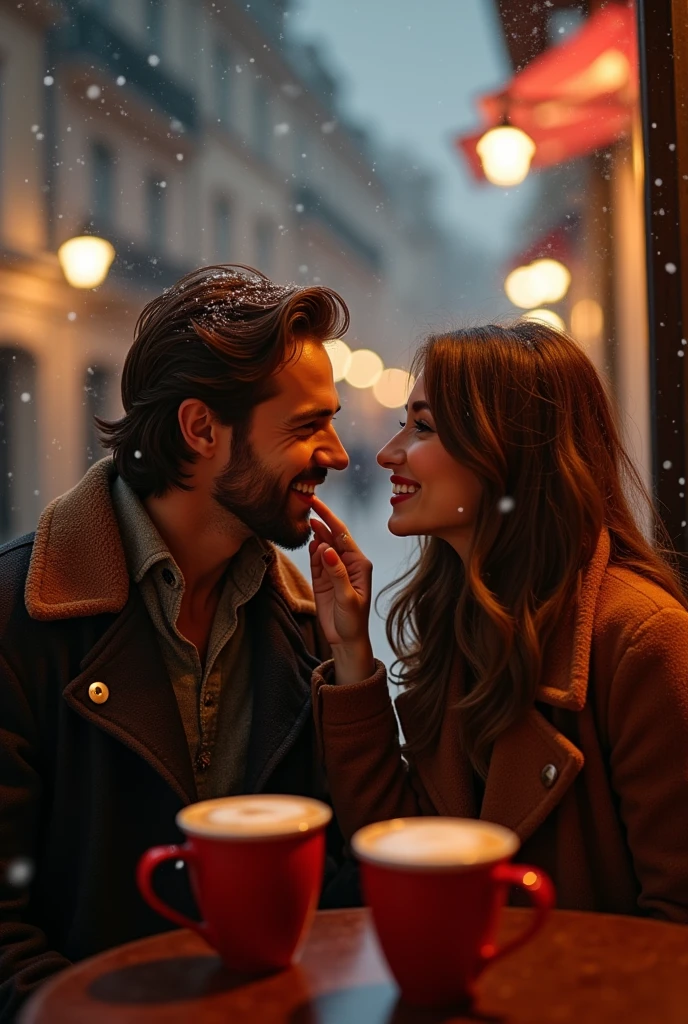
column 365, row 369
column 587, row 321
column 340, row 357
column 392, row 388
column 85, row 260
column 546, row 316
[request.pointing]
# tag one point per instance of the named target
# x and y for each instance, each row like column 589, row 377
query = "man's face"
column 291, row 445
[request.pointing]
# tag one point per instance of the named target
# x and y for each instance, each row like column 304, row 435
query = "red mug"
column 256, row 866
column 436, row 887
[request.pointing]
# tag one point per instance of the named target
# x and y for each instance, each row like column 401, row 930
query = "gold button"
column 98, row 692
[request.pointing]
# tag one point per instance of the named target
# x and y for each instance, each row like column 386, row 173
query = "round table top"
column 580, row 967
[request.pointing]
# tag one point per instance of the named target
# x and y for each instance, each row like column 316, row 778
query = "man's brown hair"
column 218, row 335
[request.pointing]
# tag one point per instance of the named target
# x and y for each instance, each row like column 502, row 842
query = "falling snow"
column 506, row 504
column 20, row 871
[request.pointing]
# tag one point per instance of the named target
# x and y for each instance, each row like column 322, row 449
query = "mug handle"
column 539, row 888
column 144, row 879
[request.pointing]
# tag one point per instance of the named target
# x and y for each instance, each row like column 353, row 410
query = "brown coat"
column 595, row 783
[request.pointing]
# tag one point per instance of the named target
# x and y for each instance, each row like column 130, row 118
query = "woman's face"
column 442, row 496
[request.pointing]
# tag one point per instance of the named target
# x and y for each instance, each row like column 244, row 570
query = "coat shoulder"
column 628, row 602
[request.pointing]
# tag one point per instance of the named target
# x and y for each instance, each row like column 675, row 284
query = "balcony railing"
column 87, row 35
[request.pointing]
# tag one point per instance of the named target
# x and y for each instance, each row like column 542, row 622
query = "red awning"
column 575, row 97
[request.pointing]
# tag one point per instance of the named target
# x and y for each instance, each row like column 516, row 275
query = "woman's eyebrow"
column 417, row 406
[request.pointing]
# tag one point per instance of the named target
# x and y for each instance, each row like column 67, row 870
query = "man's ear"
column 200, row 427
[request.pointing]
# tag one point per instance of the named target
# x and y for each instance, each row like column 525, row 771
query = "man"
column 155, row 647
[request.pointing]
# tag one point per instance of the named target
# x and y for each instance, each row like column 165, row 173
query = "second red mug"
column 436, row 887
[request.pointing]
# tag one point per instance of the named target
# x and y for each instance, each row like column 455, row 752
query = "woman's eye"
column 420, row 426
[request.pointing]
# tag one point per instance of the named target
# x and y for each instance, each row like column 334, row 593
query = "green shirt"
column 215, row 699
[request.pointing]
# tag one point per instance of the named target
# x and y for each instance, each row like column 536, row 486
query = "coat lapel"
column 532, row 764
column 141, row 710
column 78, row 569
column 281, row 668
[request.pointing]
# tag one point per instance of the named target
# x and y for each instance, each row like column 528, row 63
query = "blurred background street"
column 438, row 163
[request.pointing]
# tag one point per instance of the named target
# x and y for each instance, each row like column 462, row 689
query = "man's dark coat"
column 86, row 787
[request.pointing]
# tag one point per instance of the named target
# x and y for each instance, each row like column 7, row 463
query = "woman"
column 542, row 642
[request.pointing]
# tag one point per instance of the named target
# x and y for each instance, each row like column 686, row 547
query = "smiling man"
column 156, row 648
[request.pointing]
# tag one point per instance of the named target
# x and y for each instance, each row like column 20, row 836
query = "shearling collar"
column 78, row 567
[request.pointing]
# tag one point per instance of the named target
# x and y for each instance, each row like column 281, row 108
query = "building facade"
column 186, row 133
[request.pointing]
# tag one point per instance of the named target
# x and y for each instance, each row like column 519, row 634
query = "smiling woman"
column 541, row 640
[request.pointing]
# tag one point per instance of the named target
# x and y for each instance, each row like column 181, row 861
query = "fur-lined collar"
column 78, row 568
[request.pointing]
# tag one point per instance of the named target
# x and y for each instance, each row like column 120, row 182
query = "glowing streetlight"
column 544, row 280
column 545, row 316
column 505, row 153
column 86, row 260
column 340, row 357
column 392, row 388
column 365, row 369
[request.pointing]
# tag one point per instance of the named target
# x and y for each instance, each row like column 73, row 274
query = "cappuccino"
column 434, row 843
column 260, row 816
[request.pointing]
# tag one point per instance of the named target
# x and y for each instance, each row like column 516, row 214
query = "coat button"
column 98, row 692
column 549, row 775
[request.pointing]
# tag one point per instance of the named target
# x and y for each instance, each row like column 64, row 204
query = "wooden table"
column 583, row 968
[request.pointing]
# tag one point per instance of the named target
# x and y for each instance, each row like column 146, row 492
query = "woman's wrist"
column 353, row 662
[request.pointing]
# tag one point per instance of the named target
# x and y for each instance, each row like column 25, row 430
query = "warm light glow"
column 505, row 153
column 543, row 280
column 530, row 878
column 547, row 316
column 392, row 388
column 85, row 260
column 587, row 321
column 608, row 73
column 365, row 369
column 340, row 357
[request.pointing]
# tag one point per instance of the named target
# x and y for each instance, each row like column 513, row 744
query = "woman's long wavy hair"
column 524, row 408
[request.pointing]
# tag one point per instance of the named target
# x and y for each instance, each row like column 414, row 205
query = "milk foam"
column 258, row 816
column 434, row 842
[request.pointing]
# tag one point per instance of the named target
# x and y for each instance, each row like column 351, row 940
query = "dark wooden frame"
column 662, row 37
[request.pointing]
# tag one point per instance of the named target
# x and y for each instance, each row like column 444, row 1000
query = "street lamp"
column 85, row 260
column 505, row 153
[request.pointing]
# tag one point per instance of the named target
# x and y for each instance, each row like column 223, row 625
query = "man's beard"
column 255, row 495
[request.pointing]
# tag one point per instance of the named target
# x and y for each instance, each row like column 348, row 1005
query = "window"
column 97, row 384
column 265, row 243
column 154, row 11
column 222, row 230
column 221, row 84
column 155, row 212
column 102, row 184
column 19, row 486
column 262, row 128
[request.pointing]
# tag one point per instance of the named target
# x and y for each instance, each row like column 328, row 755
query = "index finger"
column 336, row 525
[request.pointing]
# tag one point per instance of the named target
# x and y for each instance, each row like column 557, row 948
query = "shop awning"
column 574, row 98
